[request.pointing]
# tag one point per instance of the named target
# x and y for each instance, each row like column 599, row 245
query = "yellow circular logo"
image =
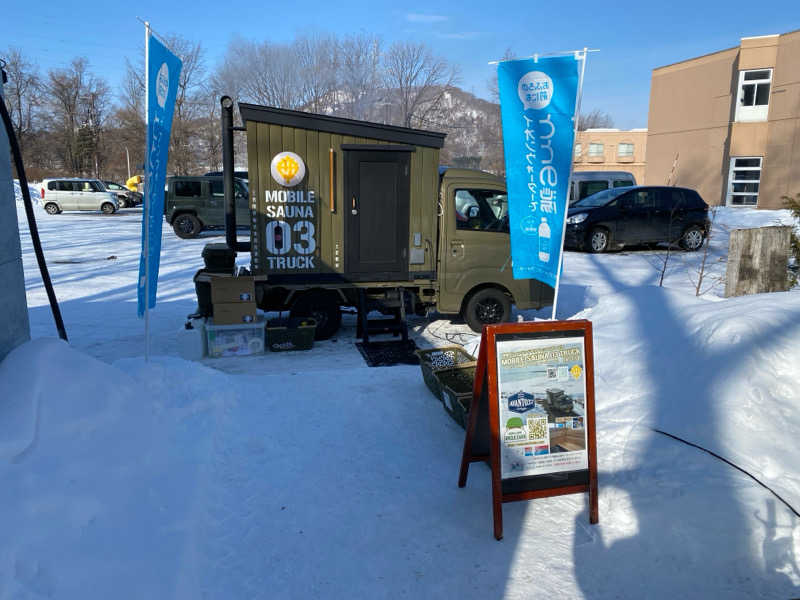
column 576, row 371
column 288, row 169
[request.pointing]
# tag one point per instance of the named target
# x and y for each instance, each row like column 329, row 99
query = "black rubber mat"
column 388, row 353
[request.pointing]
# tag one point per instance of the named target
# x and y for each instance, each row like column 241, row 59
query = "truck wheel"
column 485, row 307
column 323, row 308
column 186, row 226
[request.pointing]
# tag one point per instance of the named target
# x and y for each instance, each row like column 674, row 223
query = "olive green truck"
column 351, row 213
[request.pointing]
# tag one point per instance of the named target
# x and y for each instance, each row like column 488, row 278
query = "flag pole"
column 585, row 52
column 146, row 209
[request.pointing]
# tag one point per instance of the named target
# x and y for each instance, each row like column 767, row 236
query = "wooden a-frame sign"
column 532, row 413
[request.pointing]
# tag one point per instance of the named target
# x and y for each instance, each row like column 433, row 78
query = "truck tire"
column 485, row 307
column 186, row 226
column 323, row 307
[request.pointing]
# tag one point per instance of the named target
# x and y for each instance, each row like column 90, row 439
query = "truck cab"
column 474, row 254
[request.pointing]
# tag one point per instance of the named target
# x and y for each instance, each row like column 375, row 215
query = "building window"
column 752, row 102
column 625, row 150
column 743, row 180
column 577, row 150
column 595, row 149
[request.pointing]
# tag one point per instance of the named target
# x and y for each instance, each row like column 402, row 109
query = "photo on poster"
column 542, row 401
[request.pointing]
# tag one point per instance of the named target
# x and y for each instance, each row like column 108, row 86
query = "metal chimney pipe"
column 227, row 177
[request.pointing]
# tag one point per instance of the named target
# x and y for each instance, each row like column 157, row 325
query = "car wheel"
column 123, row 203
column 108, row 208
column 323, row 308
column 51, row 208
column 692, row 238
column 186, row 226
column 598, row 240
column 485, row 307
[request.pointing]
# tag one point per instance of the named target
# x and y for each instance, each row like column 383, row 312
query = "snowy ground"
column 311, row 475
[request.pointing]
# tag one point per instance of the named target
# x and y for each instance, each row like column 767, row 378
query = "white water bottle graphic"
column 544, row 241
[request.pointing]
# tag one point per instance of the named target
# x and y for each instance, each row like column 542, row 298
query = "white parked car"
column 77, row 194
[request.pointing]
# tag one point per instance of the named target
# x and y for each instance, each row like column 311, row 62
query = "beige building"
column 728, row 124
column 611, row 150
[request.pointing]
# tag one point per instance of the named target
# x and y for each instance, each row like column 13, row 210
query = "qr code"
column 537, row 428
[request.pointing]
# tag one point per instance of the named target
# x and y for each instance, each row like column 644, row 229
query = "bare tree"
column 701, row 270
column 360, row 75
column 493, row 85
column 418, row 79
column 129, row 124
column 191, row 107
column 22, row 94
column 264, row 73
column 93, row 111
column 78, row 103
column 189, row 104
column 318, row 62
column 594, row 119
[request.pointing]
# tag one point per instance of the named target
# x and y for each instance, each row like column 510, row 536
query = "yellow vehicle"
column 133, row 183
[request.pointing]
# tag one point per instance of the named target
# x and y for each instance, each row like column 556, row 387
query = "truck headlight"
column 575, row 219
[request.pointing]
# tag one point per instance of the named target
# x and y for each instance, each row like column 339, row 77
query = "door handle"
column 354, row 210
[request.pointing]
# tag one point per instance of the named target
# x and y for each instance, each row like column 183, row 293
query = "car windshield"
column 600, row 198
column 113, row 186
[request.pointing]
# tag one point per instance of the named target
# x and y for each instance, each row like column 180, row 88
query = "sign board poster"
column 532, row 413
column 542, row 399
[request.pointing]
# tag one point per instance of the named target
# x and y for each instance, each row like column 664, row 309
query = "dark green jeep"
column 192, row 204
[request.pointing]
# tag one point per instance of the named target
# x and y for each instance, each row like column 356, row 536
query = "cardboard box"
column 232, row 289
column 234, row 313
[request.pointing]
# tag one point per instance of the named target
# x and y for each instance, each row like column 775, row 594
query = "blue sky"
column 633, row 37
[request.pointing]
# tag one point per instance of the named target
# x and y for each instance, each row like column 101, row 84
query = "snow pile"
column 98, row 472
column 175, row 480
column 36, row 197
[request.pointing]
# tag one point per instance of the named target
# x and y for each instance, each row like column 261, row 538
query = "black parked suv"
column 637, row 215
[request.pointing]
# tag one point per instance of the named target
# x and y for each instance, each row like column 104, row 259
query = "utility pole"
column 128, row 156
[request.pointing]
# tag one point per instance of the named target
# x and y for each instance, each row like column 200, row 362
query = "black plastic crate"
column 457, row 387
column 294, row 333
column 440, row 360
column 218, row 258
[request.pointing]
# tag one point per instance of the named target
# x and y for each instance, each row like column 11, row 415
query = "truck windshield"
column 485, row 210
column 600, row 198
